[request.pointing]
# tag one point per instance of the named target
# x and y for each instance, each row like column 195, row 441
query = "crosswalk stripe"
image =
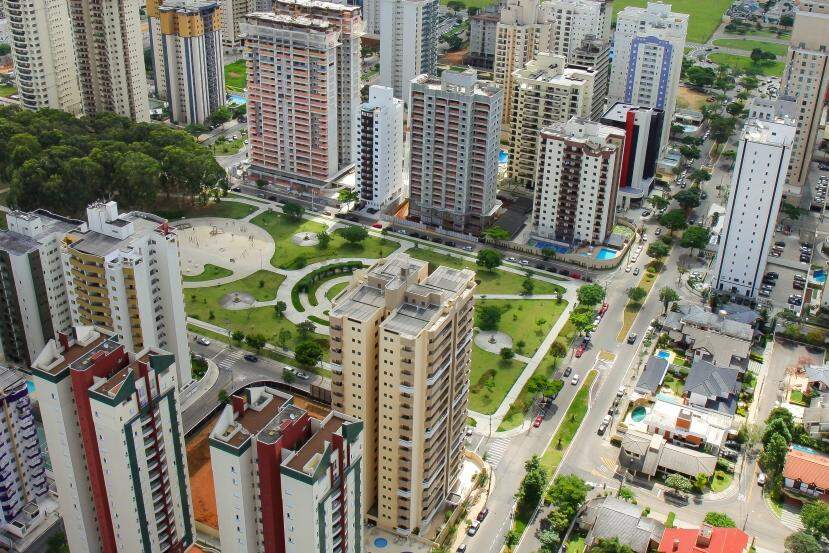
column 495, row 451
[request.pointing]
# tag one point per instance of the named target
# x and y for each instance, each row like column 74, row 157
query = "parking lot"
column 785, row 260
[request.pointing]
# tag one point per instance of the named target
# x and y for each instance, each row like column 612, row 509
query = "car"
column 467, row 248
column 203, row 341
column 797, row 285
column 780, row 244
column 236, row 189
column 731, row 444
column 574, row 380
column 620, row 392
column 473, row 528
column 627, row 268
column 567, row 372
column 605, row 423
column 764, row 293
column 273, row 198
column 646, row 213
column 644, row 238
column 511, row 259
column 524, row 262
column 823, row 166
column 251, row 358
column 302, row 375
column 482, row 515
column 772, row 275
column 580, row 350
column 636, row 271
column 658, row 231
column 761, row 479
column 538, row 420
column 461, row 548
column 378, row 224
column 767, row 287
column 632, row 338
column 729, row 454
column 469, row 430
column 603, row 309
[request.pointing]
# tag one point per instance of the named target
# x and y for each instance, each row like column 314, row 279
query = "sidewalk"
column 198, row 388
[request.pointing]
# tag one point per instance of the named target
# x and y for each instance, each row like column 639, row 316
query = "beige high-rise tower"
column 401, row 346
column 806, row 78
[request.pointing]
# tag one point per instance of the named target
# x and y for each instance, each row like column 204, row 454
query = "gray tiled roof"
column 653, row 375
column 818, row 373
column 711, row 381
column 615, row 518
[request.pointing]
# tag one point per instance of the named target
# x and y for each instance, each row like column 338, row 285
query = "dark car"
column 251, row 357
column 772, row 275
column 632, row 338
column 567, row 372
column 482, row 515
column 273, row 198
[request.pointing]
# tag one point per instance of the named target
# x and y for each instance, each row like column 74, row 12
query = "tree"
column 735, row 108
column 778, row 426
column 786, row 21
column 802, row 542
column 815, row 518
column 689, row 152
column 221, row 116
column 688, row 199
column 590, row 294
column 700, row 76
column 774, row 454
column 658, row 201
column 57, row 542
column 347, row 196
column 673, row 220
column 749, row 82
column 791, row 211
column 677, row 129
column 488, row 317
column 658, row 249
column 256, row 341
column 700, row 481
column 507, row 354
column 758, row 55
column 497, row 233
column 568, row 493
column 636, row 294
column 237, row 336
column 353, row 234
column 582, row 320
column 488, row 259
column 512, row 538
column 549, row 540
column 283, row 338
column 261, row 183
column 695, row 237
column 719, row 520
column 308, row 353
column 699, row 176
column 610, row 546
column 323, row 238
column 5, row 50
column 678, row 483
column 667, row 296
column 293, row 211
column 721, row 128
column 305, row 329
column 535, row 480
column 527, row 286
column 239, row 111
column 224, row 397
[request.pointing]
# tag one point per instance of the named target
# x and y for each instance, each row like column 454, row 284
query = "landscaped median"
column 633, row 307
column 310, row 283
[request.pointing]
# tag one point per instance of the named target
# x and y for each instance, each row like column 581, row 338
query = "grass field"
column 749, row 45
column 236, row 75
column 6, row 91
column 487, row 367
column 471, row 3
column 334, row 290
column 744, row 63
column 719, row 484
column 519, row 318
column 761, row 32
column 210, row 272
column 491, row 282
column 706, row 15
column 229, row 147
column 288, row 255
column 225, row 209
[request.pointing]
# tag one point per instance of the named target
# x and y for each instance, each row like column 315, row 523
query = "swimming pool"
column 559, row 248
column 638, row 414
column 237, row 99
column 381, row 542
column 606, row 253
column 662, row 354
column 503, row 157
column 30, row 386
column 819, row 276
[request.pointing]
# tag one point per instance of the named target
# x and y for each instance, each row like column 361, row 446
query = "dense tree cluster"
column 56, row 161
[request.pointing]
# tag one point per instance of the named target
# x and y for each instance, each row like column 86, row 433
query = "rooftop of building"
column 316, row 444
column 112, row 385
column 459, row 82
column 773, row 133
column 317, row 5
column 653, row 11
column 807, row 466
column 618, row 111
column 584, row 131
column 81, row 352
column 553, row 69
column 284, row 19
column 262, row 409
column 97, row 243
column 40, row 224
column 707, row 539
column 188, row 6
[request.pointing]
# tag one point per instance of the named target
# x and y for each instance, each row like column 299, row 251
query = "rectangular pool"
column 606, row 253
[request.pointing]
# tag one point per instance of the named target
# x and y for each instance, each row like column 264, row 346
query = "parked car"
column 538, row 420
column 627, row 268
column 729, row 454
column 632, row 338
column 473, row 528
column 605, row 423
column 603, row 309
column 203, row 341
column 461, row 548
column 567, row 372
column 251, row 358
column 764, row 293
column 636, row 271
column 580, row 350
column 574, row 380
column 772, row 275
column 482, row 515
column 761, row 479
column 658, row 231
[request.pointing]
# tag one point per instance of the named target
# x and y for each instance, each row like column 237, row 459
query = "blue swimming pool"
column 819, row 276
column 606, row 253
column 559, row 248
column 663, row 354
column 381, row 542
column 30, row 386
column 638, row 414
column 503, row 157
column 237, row 99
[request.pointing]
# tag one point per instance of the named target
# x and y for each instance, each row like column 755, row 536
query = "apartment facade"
column 380, row 152
column 574, row 20
column 122, row 274
column 34, row 301
column 483, row 30
column 454, row 126
column 112, row 422
column 806, row 79
column 594, row 54
column 546, row 91
column 643, row 134
column 40, row 36
column 110, row 57
column 753, row 204
column 233, row 15
column 524, row 30
column 408, row 43
column 400, row 343
column 192, row 59
column 292, row 481
column 648, row 47
column 577, row 179
column 23, row 485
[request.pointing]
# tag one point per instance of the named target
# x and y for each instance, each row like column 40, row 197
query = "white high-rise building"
column 754, row 200
column 113, row 427
column 648, row 47
column 408, row 42
column 574, row 20
column 43, row 54
column 380, row 152
column 371, row 17
column 233, row 14
column 579, row 163
column 110, row 57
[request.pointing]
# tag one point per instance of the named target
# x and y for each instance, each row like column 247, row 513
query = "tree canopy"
column 815, row 517
column 673, row 220
column 590, row 294
column 488, row 259
column 802, row 542
column 695, row 237
column 719, row 520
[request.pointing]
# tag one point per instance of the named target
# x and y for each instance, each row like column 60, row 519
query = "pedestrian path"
column 790, row 518
column 230, row 359
column 496, row 451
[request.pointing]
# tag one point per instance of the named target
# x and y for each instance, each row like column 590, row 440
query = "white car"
column 524, row 262
column 627, row 268
column 511, row 259
column 761, row 479
column 473, row 528
column 203, row 341
column 574, row 380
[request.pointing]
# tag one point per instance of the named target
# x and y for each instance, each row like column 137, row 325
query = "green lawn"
column 705, row 16
column 288, row 255
column 749, row 45
column 229, row 147
column 334, row 290
column 261, row 285
column 236, row 75
column 761, row 32
column 491, row 282
column 720, row 484
column 676, row 385
column 519, row 318
column 6, row 91
column 225, row 209
column 210, row 272
column 488, row 366
column 576, row 545
column 471, row 3
column 744, row 63
column 569, row 425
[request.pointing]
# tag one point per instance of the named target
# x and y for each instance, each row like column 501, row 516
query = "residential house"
column 805, row 475
column 712, row 387
column 651, row 378
column 816, row 417
column 688, row 425
column 612, row 517
column 723, row 338
column 706, row 539
column 649, row 454
column 818, row 378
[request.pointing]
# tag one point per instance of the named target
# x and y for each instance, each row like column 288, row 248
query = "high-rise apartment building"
column 122, row 274
column 578, row 174
column 34, row 302
column 23, row 485
column 594, row 54
column 754, row 199
column 524, row 30
column 483, row 30
column 113, row 428
column 292, row 482
column 408, row 42
column 380, row 157
column 110, row 57
column 648, row 47
column 454, row 128
column 297, row 118
column 643, row 133
column 347, row 21
column 575, row 20
column 371, row 17
column 546, row 91
column 44, row 56
column 806, row 79
column 233, row 15
column 401, row 348
column 192, row 59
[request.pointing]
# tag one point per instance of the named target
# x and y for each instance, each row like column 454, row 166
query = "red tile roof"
column 722, row 540
column 809, row 468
